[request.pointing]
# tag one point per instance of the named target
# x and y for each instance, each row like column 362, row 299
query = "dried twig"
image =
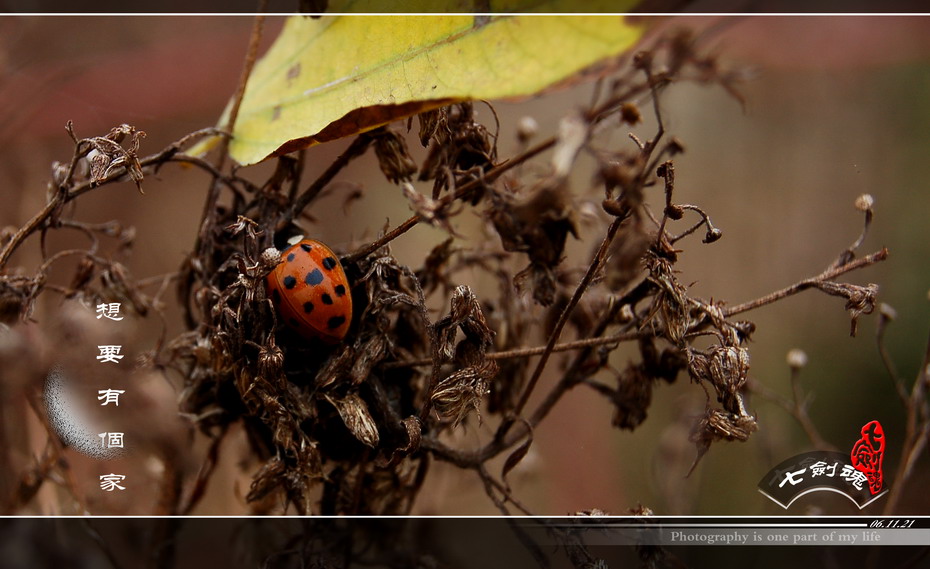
column 917, row 433
column 797, row 405
column 824, row 277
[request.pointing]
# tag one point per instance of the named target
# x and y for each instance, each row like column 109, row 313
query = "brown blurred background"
column 837, row 107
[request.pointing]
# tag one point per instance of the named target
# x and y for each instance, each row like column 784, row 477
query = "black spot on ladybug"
column 335, row 322
column 276, row 296
column 305, row 247
column 340, row 290
column 290, row 282
column 326, row 299
column 329, row 263
column 294, row 322
column 308, row 307
column 314, row 277
column 290, row 258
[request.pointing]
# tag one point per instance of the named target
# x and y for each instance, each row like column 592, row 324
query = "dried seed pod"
column 459, row 393
column 465, row 313
column 718, row 425
column 729, row 426
column 270, row 362
column 355, row 415
column 270, row 258
column 728, row 368
column 859, row 299
column 865, row 202
column 393, row 156
column 430, row 124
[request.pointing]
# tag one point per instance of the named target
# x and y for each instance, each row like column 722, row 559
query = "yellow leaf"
column 335, row 76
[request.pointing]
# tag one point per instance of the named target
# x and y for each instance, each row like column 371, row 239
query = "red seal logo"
column 867, row 454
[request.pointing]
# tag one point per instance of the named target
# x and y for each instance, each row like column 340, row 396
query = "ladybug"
column 311, row 292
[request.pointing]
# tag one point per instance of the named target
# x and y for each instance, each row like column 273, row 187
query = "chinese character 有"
column 110, row 482
column 110, row 310
column 109, row 354
column 109, row 396
column 111, row 440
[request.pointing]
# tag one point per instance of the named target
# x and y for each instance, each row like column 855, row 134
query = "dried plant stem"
column 64, row 195
column 356, row 149
column 208, row 217
column 255, row 39
column 460, row 192
column 490, row 484
column 158, row 279
column 888, row 363
column 647, row 152
column 534, row 351
column 32, row 481
column 30, row 226
column 563, row 318
column 573, row 375
column 593, row 116
column 916, row 433
column 795, row 408
column 205, row 473
column 799, row 411
column 170, row 153
column 827, row 275
column 383, row 240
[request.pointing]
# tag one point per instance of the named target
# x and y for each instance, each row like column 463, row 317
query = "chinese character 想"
column 110, row 310
column 109, row 354
column 857, row 478
column 109, row 396
column 110, row 482
column 789, row 477
column 111, row 440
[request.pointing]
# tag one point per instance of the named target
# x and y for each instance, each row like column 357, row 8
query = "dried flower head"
column 865, row 202
column 393, row 156
column 797, row 359
column 355, row 415
column 461, row 392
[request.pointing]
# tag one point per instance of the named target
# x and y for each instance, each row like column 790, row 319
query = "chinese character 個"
column 109, row 396
column 109, row 354
column 110, row 310
column 111, row 440
column 110, row 482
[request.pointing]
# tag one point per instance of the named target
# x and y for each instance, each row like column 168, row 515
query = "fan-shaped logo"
column 858, row 475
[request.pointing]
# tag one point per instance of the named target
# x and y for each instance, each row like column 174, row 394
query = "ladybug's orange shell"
column 310, row 290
